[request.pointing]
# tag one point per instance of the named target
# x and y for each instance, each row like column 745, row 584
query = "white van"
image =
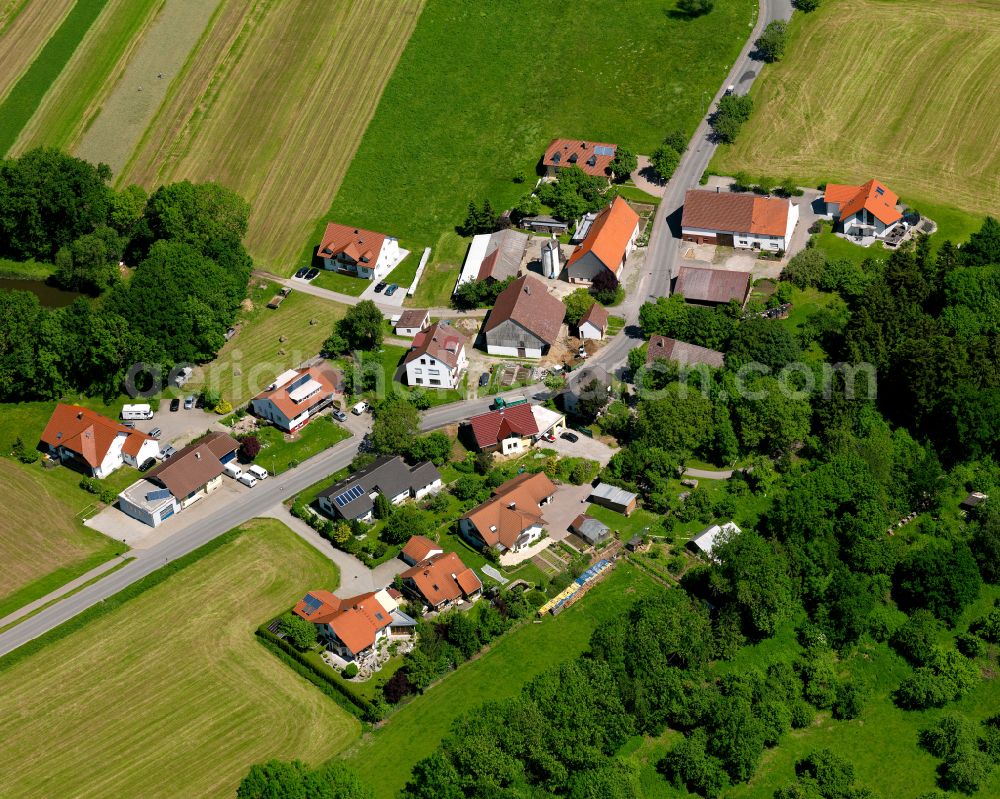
column 247, row 479
column 360, row 408
column 137, row 412
column 257, row 471
column 232, row 469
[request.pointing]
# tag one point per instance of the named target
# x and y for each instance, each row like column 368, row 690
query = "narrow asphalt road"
column 660, row 260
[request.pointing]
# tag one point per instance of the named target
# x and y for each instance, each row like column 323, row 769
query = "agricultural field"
column 24, row 28
column 293, row 82
column 830, row 111
column 458, row 123
column 256, row 354
column 385, row 757
column 170, row 694
column 43, row 543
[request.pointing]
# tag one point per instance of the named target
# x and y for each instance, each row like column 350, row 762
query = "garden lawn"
column 257, row 350
column 341, row 283
column 385, row 757
column 460, row 117
column 170, row 694
column 627, row 526
column 280, row 454
column 933, row 137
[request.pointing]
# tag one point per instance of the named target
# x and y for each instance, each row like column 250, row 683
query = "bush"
column 350, row 671
column 298, row 632
column 22, row 453
column 223, row 407
column 397, row 687
column 733, row 112
column 802, row 714
column 849, row 702
column 807, row 5
column 773, row 40
column 249, row 447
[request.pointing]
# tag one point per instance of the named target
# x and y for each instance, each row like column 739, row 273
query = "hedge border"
column 115, row 601
column 361, row 708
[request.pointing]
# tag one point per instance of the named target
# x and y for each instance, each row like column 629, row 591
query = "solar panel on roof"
column 349, row 495
column 159, row 493
column 602, row 150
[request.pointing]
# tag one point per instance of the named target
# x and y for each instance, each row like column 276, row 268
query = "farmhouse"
column 609, row 241
column 437, row 357
column 594, row 323
column 590, row 529
column 441, row 581
column 411, row 321
column 868, row 210
column 712, row 286
column 669, row 349
column 354, row 627
column 494, row 256
column 295, row 397
column 419, row 548
column 617, row 499
column 525, row 320
column 358, row 252
column 512, row 518
column 94, row 444
column 594, row 158
column 192, row 473
column 707, row 539
column 515, row 429
column 354, row 497
column 738, row 220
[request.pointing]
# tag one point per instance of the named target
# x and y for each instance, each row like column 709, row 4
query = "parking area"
column 584, row 448
column 568, row 502
column 181, row 426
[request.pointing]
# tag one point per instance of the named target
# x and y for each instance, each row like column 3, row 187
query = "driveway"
column 568, row 502
column 181, row 426
column 584, row 448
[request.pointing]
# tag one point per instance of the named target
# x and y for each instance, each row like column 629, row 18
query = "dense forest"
column 166, row 275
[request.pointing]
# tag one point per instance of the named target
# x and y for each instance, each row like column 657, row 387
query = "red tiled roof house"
column 419, row 548
column 94, row 444
column 738, row 220
column 363, row 253
column 608, row 244
column 295, row 397
column 355, row 627
column 515, row 429
column 594, row 323
column 437, row 357
column 594, row 158
column 512, row 518
column 868, row 210
column 441, row 581
column 525, row 321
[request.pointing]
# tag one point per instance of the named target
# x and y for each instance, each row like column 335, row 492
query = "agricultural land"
column 169, row 694
column 903, row 90
column 459, row 123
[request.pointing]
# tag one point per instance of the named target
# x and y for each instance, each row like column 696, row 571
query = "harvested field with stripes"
column 273, row 104
column 902, row 90
column 169, row 694
column 25, row 26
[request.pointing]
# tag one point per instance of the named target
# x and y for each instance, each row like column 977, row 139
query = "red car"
column 548, row 437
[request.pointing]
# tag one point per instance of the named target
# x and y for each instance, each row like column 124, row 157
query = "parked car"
column 189, row 402
column 147, row 464
column 359, row 408
column 285, row 291
column 129, row 425
column 548, row 437
column 312, row 274
column 247, row 479
column 339, row 415
column 199, row 401
column 175, row 404
column 302, row 272
column 183, row 376
column 379, row 286
column 484, row 379
column 230, row 333
column 582, row 352
column 232, row 469
column 257, row 471
column 572, row 438
column 168, row 452
column 155, row 432
column 390, row 289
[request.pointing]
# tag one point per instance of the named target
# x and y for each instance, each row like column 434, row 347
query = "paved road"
column 660, row 260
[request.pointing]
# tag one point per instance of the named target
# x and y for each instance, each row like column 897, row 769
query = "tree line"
column 190, row 275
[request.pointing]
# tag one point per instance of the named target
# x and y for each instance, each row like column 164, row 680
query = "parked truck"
column 137, row 412
column 499, row 402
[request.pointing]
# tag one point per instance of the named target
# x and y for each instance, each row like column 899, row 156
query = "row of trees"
column 190, row 278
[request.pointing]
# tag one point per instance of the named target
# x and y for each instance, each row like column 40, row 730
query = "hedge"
column 359, row 707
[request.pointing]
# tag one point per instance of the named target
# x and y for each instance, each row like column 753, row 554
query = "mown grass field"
column 50, row 48
column 257, row 351
column 902, row 90
column 75, row 97
column 483, row 87
column 43, row 543
column 170, row 695
column 294, row 83
column 24, row 27
column 385, row 757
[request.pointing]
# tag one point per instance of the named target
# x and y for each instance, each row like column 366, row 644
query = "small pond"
column 49, row 296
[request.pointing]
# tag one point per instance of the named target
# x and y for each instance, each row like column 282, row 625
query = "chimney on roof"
column 79, row 414
column 718, row 189
column 197, row 456
column 356, row 230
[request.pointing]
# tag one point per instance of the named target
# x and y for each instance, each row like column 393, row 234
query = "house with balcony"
column 512, row 518
column 94, row 444
column 437, row 357
column 295, row 397
column 358, row 252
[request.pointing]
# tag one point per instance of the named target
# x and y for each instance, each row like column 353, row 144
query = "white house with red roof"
column 437, row 357
column 441, row 581
column 608, row 244
column 356, row 627
column 868, row 210
column 512, row 518
column 359, row 252
column 738, row 220
column 419, row 548
column 295, row 397
column 510, row 431
column 594, row 323
column 93, row 443
column 525, row 320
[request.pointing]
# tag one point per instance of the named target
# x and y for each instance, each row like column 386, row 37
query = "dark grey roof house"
column 354, row 497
